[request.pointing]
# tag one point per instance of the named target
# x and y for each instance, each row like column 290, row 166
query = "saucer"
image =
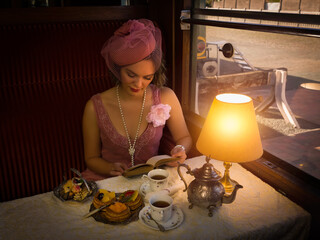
column 174, row 222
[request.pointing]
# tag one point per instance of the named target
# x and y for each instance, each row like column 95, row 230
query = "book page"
column 157, row 158
column 138, row 170
column 152, row 163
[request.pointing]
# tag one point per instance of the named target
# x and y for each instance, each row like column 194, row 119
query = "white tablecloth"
column 258, row 212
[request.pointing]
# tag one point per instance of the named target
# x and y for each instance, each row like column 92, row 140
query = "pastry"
column 74, row 189
column 65, row 191
column 79, row 196
column 118, row 208
column 103, row 197
column 132, row 199
column 116, row 212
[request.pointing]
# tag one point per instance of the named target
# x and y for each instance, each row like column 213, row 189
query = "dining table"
column 258, row 212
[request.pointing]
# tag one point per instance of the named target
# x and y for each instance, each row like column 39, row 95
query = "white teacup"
column 161, row 207
column 157, row 179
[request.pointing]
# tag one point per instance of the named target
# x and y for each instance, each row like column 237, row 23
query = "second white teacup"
column 157, row 179
column 161, row 207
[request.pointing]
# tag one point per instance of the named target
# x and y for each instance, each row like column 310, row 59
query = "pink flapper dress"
column 115, row 146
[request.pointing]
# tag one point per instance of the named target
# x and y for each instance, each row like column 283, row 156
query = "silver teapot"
column 205, row 190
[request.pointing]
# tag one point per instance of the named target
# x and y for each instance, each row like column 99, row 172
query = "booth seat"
column 48, row 71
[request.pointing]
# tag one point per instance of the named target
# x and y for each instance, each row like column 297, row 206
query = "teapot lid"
column 207, row 172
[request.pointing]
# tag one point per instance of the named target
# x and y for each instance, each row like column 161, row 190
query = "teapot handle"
column 180, row 175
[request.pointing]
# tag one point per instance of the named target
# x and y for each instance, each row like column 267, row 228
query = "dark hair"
column 160, row 78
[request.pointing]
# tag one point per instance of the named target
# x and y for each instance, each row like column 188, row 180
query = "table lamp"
column 230, row 133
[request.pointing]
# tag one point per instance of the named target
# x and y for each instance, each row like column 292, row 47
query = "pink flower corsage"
column 159, row 114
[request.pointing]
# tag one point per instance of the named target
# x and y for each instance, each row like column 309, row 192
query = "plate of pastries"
column 117, row 208
column 76, row 189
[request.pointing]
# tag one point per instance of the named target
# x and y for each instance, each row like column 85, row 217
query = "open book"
column 152, row 163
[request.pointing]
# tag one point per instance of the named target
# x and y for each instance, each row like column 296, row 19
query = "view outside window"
column 252, row 51
column 252, row 62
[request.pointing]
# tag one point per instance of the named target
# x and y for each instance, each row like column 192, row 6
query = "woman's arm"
column 177, row 126
column 92, row 145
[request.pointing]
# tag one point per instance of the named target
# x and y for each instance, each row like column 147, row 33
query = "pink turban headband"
column 134, row 41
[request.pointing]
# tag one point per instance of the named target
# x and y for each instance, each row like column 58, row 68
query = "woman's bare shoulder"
column 89, row 107
column 167, row 95
column 108, row 93
column 105, row 96
column 167, row 92
column 108, row 96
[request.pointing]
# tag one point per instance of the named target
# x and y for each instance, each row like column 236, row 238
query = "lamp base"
column 226, row 181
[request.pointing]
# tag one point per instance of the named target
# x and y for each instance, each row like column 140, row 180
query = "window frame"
column 285, row 178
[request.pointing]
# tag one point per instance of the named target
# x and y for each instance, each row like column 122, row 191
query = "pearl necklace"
column 131, row 148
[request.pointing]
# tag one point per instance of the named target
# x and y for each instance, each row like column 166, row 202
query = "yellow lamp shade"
column 230, row 132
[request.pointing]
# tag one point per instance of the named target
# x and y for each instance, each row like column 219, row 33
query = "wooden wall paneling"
column 70, row 14
column 167, row 15
column 181, row 52
column 162, row 14
column 185, row 76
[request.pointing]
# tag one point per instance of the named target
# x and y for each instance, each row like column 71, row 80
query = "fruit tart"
column 119, row 207
column 132, row 199
column 103, row 197
column 117, row 212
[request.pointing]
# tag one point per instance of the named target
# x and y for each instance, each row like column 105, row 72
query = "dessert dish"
column 75, row 189
column 117, row 208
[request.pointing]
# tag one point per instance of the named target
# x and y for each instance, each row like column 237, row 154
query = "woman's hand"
column 116, row 169
column 179, row 152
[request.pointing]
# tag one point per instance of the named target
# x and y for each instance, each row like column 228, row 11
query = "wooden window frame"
column 286, row 179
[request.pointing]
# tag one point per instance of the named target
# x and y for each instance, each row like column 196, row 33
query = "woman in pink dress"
column 123, row 125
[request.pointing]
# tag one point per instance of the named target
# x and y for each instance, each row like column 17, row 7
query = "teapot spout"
column 230, row 198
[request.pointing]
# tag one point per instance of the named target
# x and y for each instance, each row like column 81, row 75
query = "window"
column 274, row 43
column 248, row 46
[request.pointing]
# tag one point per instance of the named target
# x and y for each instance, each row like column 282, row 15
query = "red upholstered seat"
column 47, row 73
